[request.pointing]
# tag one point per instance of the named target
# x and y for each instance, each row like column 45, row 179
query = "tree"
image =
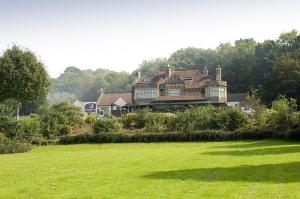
column 149, row 67
column 284, row 79
column 23, row 76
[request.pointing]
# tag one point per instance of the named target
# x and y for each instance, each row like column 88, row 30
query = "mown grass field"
column 243, row 169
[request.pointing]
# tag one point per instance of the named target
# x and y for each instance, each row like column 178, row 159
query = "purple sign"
column 90, row 107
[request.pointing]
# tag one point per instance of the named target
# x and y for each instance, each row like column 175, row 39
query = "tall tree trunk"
column 18, row 111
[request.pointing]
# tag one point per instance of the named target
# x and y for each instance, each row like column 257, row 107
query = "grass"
column 241, row 169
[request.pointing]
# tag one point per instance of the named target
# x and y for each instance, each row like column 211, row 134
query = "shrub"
column 90, row 119
column 284, row 109
column 31, row 127
column 12, row 146
column 108, row 124
column 9, row 126
column 293, row 134
column 208, row 135
column 230, row 119
column 296, row 119
column 209, row 117
column 71, row 112
column 151, row 121
column 130, row 120
column 53, row 124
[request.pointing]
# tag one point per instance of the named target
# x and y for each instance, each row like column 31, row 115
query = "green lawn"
column 244, row 169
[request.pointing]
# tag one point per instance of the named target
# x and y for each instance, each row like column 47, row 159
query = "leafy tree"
column 86, row 85
column 149, row 67
column 193, row 58
column 8, row 107
column 284, row 79
column 23, row 76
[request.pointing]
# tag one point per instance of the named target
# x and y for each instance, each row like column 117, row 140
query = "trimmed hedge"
column 170, row 137
column 293, row 134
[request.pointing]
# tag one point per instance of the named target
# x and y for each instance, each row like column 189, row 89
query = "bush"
column 209, row 117
column 130, row 120
column 90, row 119
column 31, row 127
column 53, row 124
column 208, row 135
column 9, row 126
column 293, row 134
column 150, row 121
column 12, row 146
column 71, row 112
column 296, row 119
column 108, row 124
column 230, row 119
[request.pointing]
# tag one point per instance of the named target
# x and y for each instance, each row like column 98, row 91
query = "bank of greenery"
column 281, row 120
column 66, row 124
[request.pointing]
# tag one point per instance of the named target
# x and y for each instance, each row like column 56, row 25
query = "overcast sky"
column 120, row 34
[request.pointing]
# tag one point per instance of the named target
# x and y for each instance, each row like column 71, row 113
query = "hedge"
column 170, row 137
column 13, row 146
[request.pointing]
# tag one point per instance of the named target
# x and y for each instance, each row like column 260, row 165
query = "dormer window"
column 188, row 78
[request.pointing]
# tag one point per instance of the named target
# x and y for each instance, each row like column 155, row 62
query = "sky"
column 120, row 34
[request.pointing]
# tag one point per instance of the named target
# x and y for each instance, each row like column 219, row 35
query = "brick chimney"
column 168, row 71
column 138, row 74
column 218, row 73
column 205, row 71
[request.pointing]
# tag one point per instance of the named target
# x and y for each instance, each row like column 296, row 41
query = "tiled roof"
column 197, row 79
column 107, row 99
column 179, row 98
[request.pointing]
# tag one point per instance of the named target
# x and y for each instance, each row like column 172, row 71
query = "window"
column 146, row 93
column 214, row 92
column 174, row 92
column 188, row 78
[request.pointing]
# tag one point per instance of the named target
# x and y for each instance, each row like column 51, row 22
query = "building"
column 175, row 88
column 242, row 101
column 238, row 99
column 113, row 103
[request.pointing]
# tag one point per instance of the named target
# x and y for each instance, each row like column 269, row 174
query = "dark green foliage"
column 150, row 121
column 24, row 130
column 12, row 146
column 31, row 128
column 108, row 124
column 71, row 112
column 32, row 106
column 219, row 135
column 8, row 107
column 23, row 76
column 54, row 123
column 9, row 126
column 59, row 119
column 293, row 134
column 209, row 117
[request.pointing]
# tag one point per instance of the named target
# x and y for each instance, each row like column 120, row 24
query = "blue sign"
column 90, row 107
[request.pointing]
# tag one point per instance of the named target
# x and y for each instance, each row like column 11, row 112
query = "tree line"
column 267, row 69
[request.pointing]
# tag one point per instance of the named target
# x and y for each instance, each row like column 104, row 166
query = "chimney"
column 138, row 74
column 218, row 73
column 205, row 71
column 168, row 71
